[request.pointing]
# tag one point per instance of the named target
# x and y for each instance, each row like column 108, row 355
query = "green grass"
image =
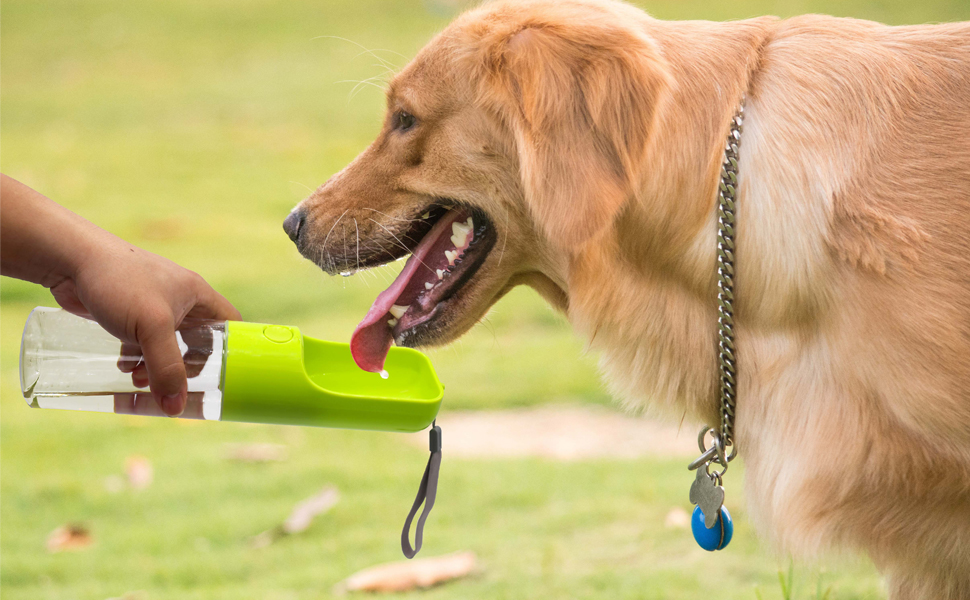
column 191, row 129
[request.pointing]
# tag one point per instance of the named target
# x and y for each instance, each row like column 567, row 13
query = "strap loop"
column 426, row 494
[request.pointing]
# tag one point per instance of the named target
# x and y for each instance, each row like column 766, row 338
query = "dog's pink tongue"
column 372, row 339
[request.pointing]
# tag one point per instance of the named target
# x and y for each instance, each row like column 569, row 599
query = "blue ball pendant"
column 718, row 536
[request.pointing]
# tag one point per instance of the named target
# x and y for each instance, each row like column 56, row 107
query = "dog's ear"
column 582, row 99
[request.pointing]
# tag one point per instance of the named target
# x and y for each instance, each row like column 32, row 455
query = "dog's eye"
column 405, row 120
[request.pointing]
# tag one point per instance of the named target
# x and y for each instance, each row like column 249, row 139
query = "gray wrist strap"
column 426, row 494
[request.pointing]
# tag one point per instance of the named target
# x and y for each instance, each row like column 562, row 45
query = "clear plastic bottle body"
column 67, row 362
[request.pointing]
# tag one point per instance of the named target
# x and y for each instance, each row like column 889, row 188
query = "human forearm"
column 41, row 241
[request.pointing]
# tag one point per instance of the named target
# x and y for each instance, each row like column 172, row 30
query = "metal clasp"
column 716, row 454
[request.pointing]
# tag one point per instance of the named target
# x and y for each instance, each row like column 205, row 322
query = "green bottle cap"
column 275, row 374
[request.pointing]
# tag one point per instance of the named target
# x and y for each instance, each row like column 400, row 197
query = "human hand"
column 142, row 298
column 139, row 297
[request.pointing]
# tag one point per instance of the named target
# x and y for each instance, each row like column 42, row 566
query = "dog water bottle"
column 236, row 371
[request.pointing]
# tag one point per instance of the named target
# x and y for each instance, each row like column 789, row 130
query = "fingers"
column 131, row 361
column 199, row 342
column 129, row 358
column 166, row 371
column 193, row 406
column 144, row 405
column 65, row 294
column 212, row 305
column 224, row 309
column 139, row 377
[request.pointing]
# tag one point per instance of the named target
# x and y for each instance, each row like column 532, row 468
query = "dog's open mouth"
column 443, row 262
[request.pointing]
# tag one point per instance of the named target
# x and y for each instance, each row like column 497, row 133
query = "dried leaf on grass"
column 139, row 471
column 304, row 512
column 256, row 452
column 69, row 537
column 410, row 574
column 301, row 517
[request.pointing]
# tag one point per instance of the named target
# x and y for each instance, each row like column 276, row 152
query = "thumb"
column 166, row 370
column 65, row 294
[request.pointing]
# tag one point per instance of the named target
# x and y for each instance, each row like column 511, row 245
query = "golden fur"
column 592, row 136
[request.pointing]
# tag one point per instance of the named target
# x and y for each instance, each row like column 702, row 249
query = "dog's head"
column 510, row 142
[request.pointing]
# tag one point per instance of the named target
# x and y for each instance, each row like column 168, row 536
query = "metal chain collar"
column 723, row 437
column 727, row 198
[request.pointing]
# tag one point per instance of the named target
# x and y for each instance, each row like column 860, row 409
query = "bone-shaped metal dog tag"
column 708, row 496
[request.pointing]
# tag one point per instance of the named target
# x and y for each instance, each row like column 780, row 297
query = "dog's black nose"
column 294, row 224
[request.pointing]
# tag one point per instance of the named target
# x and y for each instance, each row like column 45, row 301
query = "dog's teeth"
column 428, row 285
column 426, row 215
column 470, row 224
column 451, row 256
column 440, row 273
column 392, row 322
column 460, row 233
column 397, row 311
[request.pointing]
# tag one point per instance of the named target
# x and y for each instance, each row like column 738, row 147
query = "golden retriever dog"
column 575, row 146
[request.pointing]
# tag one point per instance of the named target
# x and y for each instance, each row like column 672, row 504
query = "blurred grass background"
column 191, row 128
